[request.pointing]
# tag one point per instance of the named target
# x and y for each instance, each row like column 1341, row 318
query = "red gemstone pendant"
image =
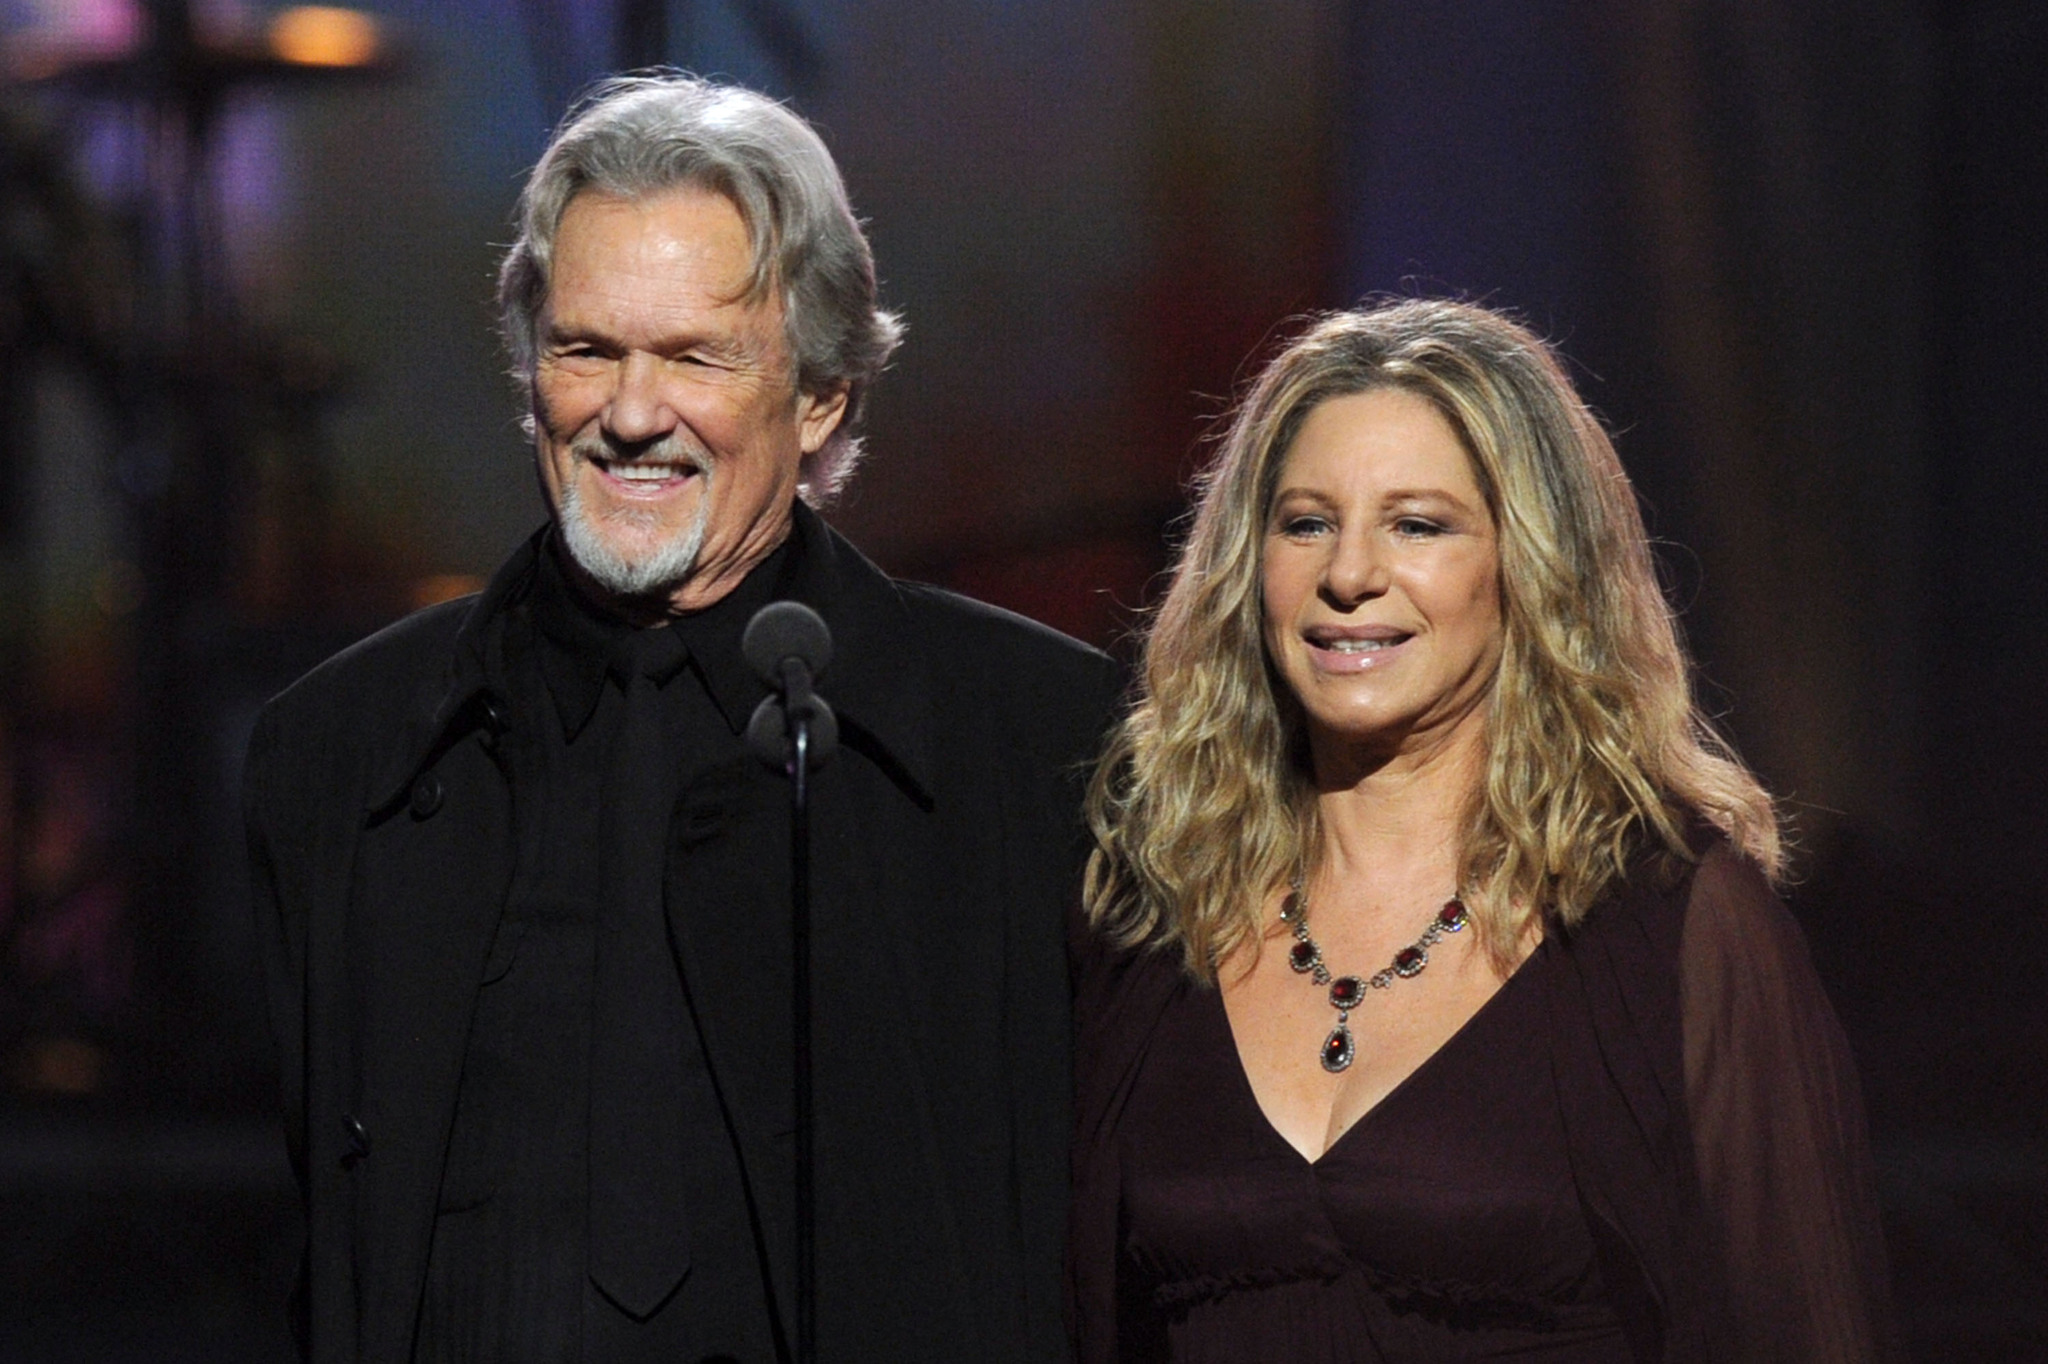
column 1348, row 992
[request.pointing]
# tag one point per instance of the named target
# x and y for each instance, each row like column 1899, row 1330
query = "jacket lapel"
column 729, row 862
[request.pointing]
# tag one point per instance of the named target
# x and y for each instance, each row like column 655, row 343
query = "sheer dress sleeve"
column 1778, row 1131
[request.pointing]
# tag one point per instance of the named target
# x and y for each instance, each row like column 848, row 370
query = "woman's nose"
column 1356, row 569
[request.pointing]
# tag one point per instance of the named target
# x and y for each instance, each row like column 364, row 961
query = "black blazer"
column 946, row 846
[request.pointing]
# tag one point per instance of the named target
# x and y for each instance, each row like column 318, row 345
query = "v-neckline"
column 1250, row 1094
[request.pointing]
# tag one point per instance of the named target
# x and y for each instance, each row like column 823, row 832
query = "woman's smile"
column 1355, row 649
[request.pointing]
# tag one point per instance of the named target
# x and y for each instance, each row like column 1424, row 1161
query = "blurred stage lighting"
column 323, row 35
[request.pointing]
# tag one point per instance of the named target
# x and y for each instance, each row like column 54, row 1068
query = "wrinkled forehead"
column 684, row 249
column 759, row 278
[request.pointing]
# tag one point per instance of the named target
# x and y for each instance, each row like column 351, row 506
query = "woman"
column 1435, row 1002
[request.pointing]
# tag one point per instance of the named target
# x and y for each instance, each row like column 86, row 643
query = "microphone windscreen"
column 786, row 629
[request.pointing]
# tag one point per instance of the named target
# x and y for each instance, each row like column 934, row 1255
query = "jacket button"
column 497, row 715
column 358, row 1139
column 426, row 795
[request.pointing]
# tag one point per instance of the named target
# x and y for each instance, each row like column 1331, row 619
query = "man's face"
column 667, row 422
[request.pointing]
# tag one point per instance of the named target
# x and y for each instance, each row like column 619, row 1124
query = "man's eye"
column 708, row 359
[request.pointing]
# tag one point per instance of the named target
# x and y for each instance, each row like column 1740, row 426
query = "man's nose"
column 639, row 409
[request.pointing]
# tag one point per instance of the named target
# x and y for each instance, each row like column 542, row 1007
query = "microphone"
column 788, row 646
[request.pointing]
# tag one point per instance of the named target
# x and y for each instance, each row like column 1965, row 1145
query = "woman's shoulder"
column 1700, row 1040
column 1113, row 978
column 1731, row 906
column 1700, row 952
column 1715, row 916
column 1710, row 897
column 1120, row 993
column 1681, row 939
column 1746, row 974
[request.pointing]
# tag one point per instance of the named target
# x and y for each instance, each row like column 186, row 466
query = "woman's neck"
column 1405, row 814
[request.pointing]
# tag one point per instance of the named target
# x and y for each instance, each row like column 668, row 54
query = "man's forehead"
column 601, row 229
column 665, row 272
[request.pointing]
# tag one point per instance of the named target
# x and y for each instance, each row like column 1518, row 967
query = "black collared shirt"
column 507, row 1267
column 581, row 646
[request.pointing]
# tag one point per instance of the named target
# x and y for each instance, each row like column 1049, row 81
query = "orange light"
column 436, row 588
column 321, row 35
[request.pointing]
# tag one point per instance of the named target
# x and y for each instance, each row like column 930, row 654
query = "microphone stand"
column 794, row 730
column 800, row 1012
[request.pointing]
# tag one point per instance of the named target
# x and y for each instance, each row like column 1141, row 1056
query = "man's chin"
column 633, row 573
column 630, row 560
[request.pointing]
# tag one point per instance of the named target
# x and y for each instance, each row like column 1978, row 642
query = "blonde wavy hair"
column 1203, row 806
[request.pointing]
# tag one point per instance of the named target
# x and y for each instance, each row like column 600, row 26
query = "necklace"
column 1348, row 992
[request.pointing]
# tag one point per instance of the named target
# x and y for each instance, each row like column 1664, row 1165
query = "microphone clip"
column 789, row 646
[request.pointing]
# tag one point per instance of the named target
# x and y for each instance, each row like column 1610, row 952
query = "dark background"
column 253, row 408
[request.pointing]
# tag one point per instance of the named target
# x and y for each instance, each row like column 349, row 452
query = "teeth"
column 645, row 473
column 1356, row 646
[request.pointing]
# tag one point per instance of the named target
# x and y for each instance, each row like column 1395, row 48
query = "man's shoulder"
column 1000, row 652
column 1003, row 652
column 374, row 683
column 1035, row 681
column 990, row 634
column 405, row 653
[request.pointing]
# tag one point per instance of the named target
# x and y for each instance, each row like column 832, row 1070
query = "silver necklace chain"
column 1348, row 992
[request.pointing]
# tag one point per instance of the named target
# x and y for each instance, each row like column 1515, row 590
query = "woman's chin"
column 1353, row 744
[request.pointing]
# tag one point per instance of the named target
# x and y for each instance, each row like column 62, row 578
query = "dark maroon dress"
column 1646, row 1146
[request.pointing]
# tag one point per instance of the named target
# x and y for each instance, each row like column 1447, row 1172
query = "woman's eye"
column 1417, row 527
column 1302, row 526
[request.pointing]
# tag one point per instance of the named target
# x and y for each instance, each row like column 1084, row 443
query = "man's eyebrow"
column 718, row 347
column 555, row 333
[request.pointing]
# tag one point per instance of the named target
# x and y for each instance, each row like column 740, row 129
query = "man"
column 525, row 894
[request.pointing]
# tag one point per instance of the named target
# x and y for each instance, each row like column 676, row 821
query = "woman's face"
column 1381, row 577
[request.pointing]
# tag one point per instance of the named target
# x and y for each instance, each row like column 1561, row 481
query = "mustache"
column 677, row 447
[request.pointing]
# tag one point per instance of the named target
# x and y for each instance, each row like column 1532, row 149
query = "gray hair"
column 634, row 136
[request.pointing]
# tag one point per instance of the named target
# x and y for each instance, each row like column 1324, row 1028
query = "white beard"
column 656, row 573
